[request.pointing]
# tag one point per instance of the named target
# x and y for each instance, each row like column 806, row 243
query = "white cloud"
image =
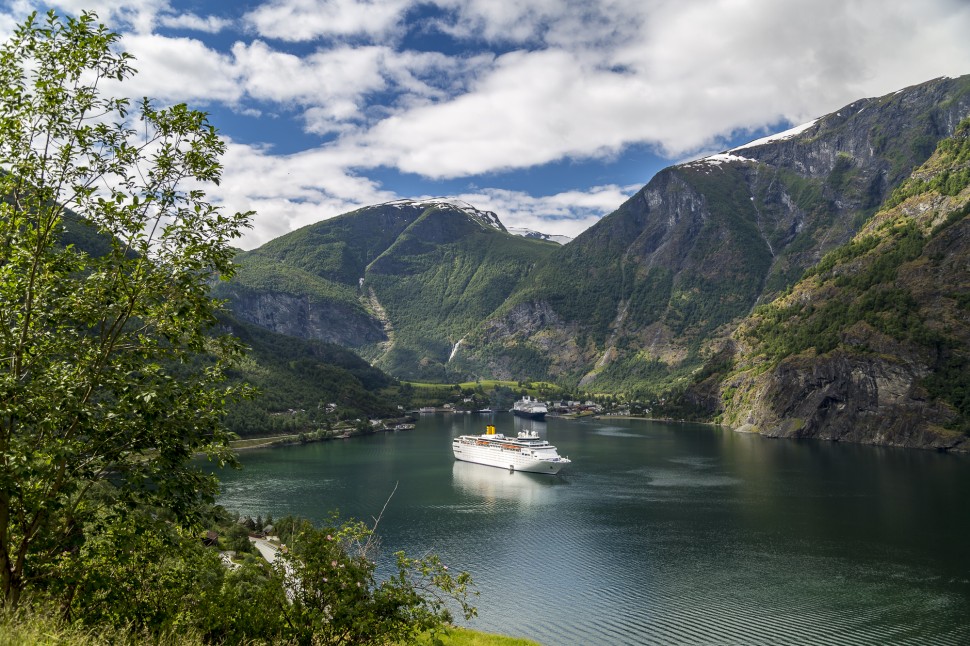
column 207, row 24
column 568, row 213
column 586, row 80
column 180, row 70
column 321, row 79
column 301, row 20
column 530, row 109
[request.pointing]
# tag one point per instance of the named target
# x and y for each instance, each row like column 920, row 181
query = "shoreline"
column 292, row 439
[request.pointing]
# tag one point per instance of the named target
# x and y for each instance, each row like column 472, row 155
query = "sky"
column 550, row 113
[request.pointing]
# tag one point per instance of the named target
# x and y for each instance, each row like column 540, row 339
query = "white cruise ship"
column 523, row 453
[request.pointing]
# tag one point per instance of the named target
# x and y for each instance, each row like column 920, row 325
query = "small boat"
column 526, row 452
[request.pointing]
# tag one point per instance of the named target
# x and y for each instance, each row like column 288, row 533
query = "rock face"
column 300, row 316
column 848, row 397
column 874, row 346
column 654, row 287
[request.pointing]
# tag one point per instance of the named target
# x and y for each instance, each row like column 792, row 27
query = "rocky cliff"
column 304, row 317
column 874, row 345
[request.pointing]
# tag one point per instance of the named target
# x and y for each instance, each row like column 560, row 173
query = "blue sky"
column 549, row 112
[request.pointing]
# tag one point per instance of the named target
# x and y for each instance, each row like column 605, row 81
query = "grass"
column 22, row 629
column 466, row 637
column 26, row 629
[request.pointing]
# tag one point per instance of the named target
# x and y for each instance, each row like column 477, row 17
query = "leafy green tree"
column 108, row 370
column 330, row 576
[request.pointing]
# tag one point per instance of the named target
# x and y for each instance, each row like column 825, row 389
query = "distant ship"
column 523, row 453
column 530, row 408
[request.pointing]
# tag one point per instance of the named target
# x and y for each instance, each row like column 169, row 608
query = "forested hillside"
column 304, row 385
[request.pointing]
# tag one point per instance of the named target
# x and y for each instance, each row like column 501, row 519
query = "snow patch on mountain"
column 713, row 161
column 787, row 134
column 529, row 233
column 485, row 218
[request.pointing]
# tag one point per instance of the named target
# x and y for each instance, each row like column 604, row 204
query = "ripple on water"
column 665, row 478
column 616, row 431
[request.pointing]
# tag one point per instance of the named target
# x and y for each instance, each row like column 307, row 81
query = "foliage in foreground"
column 141, row 576
column 111, row 380
column 109, row 371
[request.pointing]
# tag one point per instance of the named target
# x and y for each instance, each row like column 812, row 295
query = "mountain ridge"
column 410, row 278
column 674, row 267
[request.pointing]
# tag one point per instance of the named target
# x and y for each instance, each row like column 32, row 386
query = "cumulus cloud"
column 480, row 87
column 190, row 21
column 300, row 20
column 323, row 79
column 689, row 76
column 180, row 70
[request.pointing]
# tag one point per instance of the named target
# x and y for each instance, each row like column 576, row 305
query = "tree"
column 109, row 370
column 335, row 598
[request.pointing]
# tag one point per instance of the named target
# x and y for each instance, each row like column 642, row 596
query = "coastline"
column 291, row 439
column 665, row 420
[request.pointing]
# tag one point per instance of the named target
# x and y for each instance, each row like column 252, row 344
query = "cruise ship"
column 527, row 452
column 530, row 408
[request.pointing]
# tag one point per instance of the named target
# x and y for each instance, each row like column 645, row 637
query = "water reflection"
column 522, row 424
column 492, row 484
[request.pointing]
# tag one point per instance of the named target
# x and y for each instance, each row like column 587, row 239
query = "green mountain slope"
column 874, row 344
column 648, row 294
column 303, row 384
column 402, row 283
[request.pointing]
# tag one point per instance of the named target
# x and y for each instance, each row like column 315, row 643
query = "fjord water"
column 657, row 533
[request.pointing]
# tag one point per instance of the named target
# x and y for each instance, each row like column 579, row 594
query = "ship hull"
column 529, row 415
column 505, row 459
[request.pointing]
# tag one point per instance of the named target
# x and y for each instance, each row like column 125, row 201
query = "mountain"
column 529, row 233
column 401, row 283
column 638, row 303
column 873, row 345
column 646, row 296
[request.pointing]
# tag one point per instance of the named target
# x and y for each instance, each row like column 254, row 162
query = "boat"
column 530, row 408
column 526, row 452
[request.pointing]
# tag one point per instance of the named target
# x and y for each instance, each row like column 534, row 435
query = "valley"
column 653, row 301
